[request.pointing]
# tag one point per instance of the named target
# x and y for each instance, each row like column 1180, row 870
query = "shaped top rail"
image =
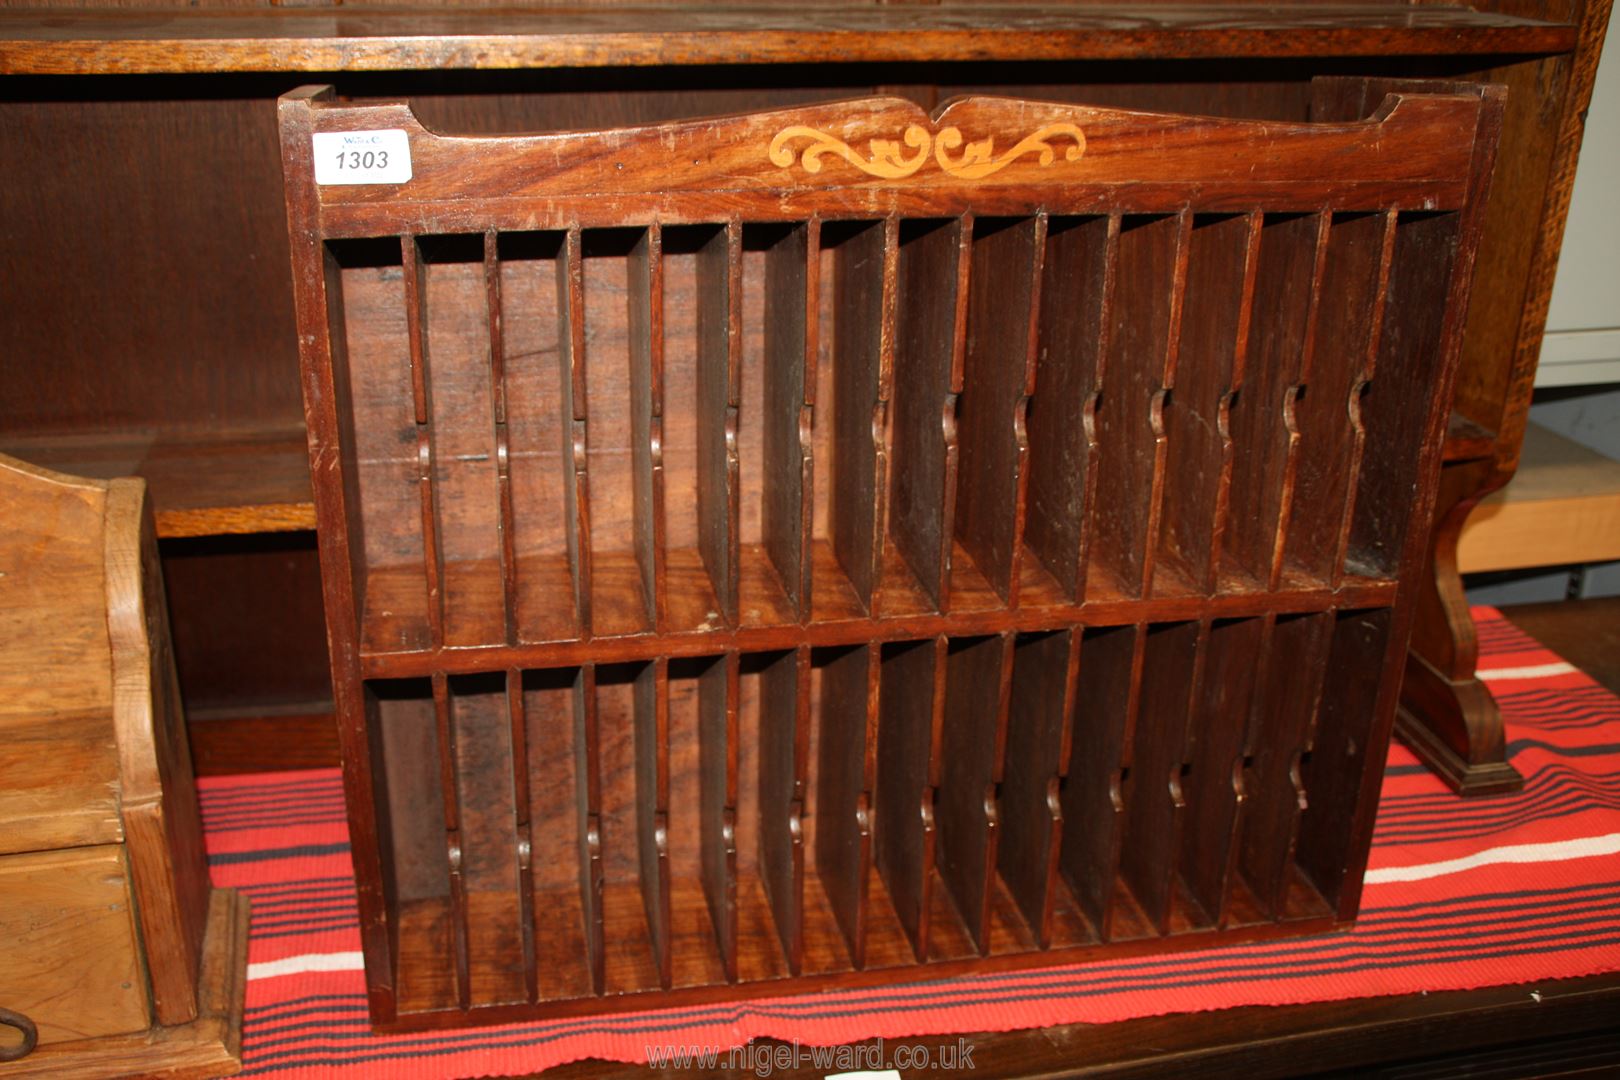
column 878, row 156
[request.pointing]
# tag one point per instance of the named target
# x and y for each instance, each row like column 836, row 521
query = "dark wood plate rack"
column 850, row 543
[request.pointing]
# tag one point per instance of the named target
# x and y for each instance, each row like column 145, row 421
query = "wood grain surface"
column 72, row 957
column 481, row 536
column 364, row 39
column 59, row 754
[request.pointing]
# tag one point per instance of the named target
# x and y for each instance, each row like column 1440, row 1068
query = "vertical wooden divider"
column 1395, row 408
column 1170, row 678
column 1214, row 325
column 645, row 320
column 1340, row 753
column 1098, row 790
column 911, row 706
column 1046, row 668
column 448, row 771
column 783, row 749
column 1129, row 413
column 517, row 718
column 846, row 770
column 1353, row 284
column 719, row 384
column 576, row 482
column 503, row 466
column 588, row 795
column 651, row 737
column 1358, row 428
column 1293, row 401
column 864, row 289
column 1159, row 407
column 1075, row 315
column 1262, row 415
column 931, row 334
column 792, row 311
column 1240, row 367
column 414, row 272
column 1288, row 688
column 1214, row 788
column 998, row 379
column 718, row 689
column 973, row 744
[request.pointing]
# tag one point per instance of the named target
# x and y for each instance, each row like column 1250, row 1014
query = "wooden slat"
column 1338, row 756
column 571, row 373
column 973, row 744
column 1026, row 365
column 497, row 378
column 1213, row 789
column 931, row 333
column 845, row 773
column 1144, row 315
column 1289, row 685
column 488, row 875
column 1218, row 559
column 588, row 802
column 518, row 718
column 912, row 703
column 1369, row 368
column 1198, row 447
column 864, row 284
column 1262, row 432
column 717, row 780
column 1154, row 813
column 645, row 321
column 1045, row 673
column 1097, row 793
column 1158, row 406
column 998, row 377
column 719, row 377
column 651, row 737
column 415, row 272
column 448, row 792
column 783, row 762
column 1092, row 579
column 1293, row 397
column 1079, row 271
column 1348, row 314
column 792, row 310
column 1394, row 410
column 301, row 39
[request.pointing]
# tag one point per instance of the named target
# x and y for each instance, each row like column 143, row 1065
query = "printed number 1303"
column 362, row 159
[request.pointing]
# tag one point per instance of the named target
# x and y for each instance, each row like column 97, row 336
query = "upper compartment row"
column 616, row 432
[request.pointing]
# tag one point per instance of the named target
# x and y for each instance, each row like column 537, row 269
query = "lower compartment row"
column 607, row 829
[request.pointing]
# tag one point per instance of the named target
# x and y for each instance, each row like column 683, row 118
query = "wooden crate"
column 116, row 954
column 849, row 544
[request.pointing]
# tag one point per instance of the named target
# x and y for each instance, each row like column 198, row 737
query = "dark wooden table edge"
column 1263, row 1041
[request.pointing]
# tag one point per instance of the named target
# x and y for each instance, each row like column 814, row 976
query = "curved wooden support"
column 1447, row 716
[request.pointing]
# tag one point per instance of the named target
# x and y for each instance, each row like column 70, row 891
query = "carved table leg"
column 1447, row 716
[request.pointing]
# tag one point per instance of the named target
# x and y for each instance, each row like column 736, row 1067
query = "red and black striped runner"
column 1460, row 894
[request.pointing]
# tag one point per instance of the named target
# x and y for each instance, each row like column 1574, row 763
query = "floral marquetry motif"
column 886, row 159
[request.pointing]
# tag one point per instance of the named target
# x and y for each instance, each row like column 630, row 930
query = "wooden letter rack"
column 854, row 544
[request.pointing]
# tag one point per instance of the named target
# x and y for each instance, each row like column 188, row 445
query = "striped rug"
column 1460, row 894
